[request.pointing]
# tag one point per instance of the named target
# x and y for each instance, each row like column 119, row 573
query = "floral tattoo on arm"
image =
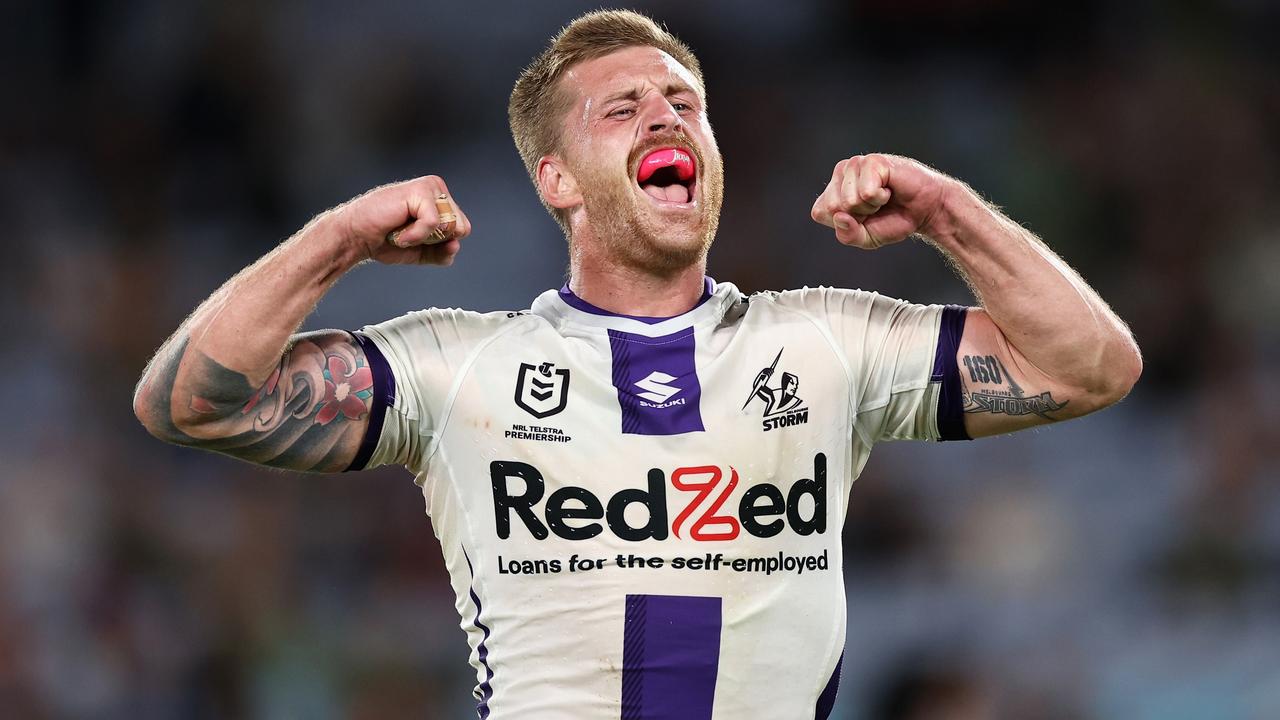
column 311, row 413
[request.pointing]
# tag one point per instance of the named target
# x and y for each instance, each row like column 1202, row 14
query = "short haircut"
column 537, row 104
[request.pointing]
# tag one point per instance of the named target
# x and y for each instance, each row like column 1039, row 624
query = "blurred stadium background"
column 1124, row 566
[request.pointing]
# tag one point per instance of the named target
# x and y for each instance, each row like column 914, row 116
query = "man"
column 639, row 483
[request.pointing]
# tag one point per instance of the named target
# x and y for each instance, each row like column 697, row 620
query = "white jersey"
column 641, row 517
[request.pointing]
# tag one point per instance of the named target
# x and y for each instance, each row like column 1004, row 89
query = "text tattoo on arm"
column 1002, row 395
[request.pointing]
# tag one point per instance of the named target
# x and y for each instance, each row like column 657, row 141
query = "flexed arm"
column 235, row 378
column 1043, row 346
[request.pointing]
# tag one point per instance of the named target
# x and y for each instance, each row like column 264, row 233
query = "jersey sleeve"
column 415, row 360
column 902, row 362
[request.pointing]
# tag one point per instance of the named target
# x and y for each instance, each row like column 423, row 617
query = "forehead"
column 623, row 70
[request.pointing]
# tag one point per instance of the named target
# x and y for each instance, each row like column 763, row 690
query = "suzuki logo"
column 656, row 387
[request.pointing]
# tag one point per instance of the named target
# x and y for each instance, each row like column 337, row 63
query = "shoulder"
column 449, row 325
column 823, row 301
column 853, row 315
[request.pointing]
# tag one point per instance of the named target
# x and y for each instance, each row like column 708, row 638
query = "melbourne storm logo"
column 782, row 407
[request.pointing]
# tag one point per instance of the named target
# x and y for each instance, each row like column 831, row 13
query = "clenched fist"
column 875, row 200
column 406, row 222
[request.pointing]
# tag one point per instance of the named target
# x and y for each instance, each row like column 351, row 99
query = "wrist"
column 959, row 207
column 331, row 234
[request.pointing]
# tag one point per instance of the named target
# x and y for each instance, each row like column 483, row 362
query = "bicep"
column 311, row 413
column 1001, row 391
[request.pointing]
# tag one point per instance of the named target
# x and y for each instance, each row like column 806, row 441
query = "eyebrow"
column 634, row 93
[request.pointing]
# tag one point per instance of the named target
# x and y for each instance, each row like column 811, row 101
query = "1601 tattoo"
column 1010, row 400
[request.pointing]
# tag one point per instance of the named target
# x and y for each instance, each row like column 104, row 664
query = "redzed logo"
column 573, row 513
column 698, row 531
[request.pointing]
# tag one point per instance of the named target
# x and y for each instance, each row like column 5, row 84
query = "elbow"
column 1134, row 368
column 152, row 410
column 1116, row 375
column 1125, row 369
column 144, row 408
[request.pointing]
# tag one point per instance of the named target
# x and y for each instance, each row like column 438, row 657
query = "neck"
column 632, row 291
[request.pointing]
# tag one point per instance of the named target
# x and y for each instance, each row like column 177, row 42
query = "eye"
column 682, row 106
column 619, row 112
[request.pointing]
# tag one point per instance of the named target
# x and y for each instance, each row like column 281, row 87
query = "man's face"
column 639, row 144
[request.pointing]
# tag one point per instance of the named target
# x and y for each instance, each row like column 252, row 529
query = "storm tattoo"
column 1009, row 399
column 302, row 418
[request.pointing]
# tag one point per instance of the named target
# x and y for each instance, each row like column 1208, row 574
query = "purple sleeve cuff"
column 384, row 394
column 947, row 372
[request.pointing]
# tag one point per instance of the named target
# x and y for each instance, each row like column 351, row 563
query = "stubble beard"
column 632, row 233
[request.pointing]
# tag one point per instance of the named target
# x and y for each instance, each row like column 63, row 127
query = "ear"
column 557, row 184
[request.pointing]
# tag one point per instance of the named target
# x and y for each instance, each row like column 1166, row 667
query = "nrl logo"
column 782, row 407
column 542, row 391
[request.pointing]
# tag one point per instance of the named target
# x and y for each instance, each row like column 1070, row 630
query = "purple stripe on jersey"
column 482, row 652
column 670, row 657
column 947, row 372
column 657, row 383
column 827, row 700
column 578, row 303
column 384, row 394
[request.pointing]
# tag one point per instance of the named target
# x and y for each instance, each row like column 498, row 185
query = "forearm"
column 234, row 341
column 236, row 379
column 1045, row 310
column 247, row 323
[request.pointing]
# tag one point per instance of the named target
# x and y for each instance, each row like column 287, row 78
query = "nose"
column 660, row 116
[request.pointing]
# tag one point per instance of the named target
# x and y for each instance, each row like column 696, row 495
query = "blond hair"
column 537, row 105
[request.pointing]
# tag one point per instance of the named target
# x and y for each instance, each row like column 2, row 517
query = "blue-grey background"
column 1121, row 566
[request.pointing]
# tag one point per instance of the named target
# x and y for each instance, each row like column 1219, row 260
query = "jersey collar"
column 563, row 307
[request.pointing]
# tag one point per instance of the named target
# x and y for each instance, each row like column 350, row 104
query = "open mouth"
column 668, row 175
